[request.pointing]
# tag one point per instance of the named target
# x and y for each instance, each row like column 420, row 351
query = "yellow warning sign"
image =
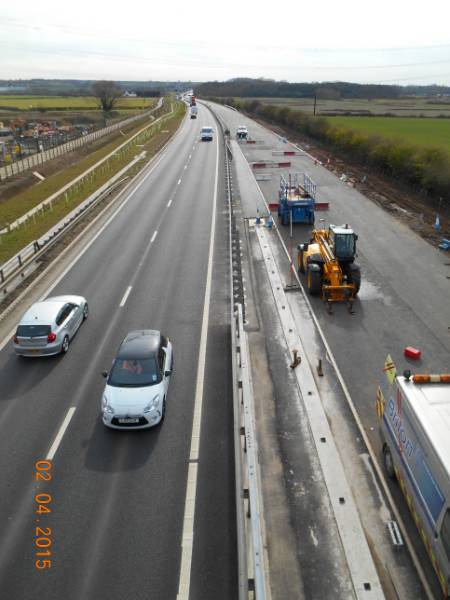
column 389, row 369
column 380, row 403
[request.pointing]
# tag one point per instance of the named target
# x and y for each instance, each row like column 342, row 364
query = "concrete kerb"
column 358, row 556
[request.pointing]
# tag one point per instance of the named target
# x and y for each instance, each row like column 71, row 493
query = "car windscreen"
column 134, row 372
column 33, row 330
column 207, row 130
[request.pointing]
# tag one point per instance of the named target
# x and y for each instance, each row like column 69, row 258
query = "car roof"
column 42, row 313
column 140, row 343
column 207, row 128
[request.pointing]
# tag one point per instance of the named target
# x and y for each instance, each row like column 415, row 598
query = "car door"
column 77, row 316
column 70, row 324
column 164, row 366
column 62, row 322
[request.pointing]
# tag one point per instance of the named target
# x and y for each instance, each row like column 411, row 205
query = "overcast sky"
column 383, row 41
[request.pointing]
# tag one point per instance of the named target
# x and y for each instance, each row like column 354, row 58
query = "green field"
column 399, row 107
column 29, row 103
column 421, row 132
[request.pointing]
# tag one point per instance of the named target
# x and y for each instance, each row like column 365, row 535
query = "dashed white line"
column 179, row 181
column 187, row 541
column 185, row 167
column 169, row 203
column 190, row 156
column 125, row 296
column 154, row 236
column 61, row 432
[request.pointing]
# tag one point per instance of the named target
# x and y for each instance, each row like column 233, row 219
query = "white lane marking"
column 85, row 248
column 59, row 436
column 179, row 181
column 169, row 203
column 190, row 156
column 154, row 236
column 125, row 296
column 187, row 541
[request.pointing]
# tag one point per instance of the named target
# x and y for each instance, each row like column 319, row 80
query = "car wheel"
column 65, row 344
column 163, row 410
column 388, row 463
column 85, row 312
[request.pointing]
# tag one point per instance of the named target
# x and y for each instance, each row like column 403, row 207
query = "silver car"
column 48, row 326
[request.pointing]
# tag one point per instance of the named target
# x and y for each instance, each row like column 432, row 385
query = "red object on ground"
column 413, row 353
column 289, row 152
column 273, row 205
column 259, row 165
column 284, row 164
column 321, row 206
column 250, row 142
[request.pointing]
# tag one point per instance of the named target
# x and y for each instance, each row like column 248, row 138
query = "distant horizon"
column 24, row 80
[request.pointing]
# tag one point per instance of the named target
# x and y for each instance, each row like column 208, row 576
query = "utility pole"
column 315, row 102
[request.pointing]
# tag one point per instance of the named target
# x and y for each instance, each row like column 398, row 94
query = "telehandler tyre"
column 354, row 276
column 314, row 280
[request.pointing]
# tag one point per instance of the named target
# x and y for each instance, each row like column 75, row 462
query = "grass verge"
column 36, row 226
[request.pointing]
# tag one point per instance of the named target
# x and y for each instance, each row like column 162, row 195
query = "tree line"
column 268, row 88
column 426, row 169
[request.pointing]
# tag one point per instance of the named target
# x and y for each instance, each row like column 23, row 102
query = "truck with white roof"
column 414, row 419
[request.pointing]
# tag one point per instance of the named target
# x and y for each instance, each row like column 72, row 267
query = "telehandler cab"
column 328, row 261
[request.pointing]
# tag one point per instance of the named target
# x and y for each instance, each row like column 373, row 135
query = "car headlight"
column 152, row 404
column 106, row 407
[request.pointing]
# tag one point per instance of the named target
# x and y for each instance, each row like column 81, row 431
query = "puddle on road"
column 370, row 291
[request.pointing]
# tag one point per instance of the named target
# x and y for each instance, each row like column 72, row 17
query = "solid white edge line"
column 59, row 436
column 125, row 296
column 154, row 236
column 187, row 540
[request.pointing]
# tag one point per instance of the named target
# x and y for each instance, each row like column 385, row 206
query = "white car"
column 136, row 388
column 48, row 326
column 242, row 132
column 206, row 134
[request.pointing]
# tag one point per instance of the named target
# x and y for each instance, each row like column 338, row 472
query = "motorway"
column 118, row 499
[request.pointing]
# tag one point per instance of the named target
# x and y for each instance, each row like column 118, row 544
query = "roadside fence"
column 41, row 157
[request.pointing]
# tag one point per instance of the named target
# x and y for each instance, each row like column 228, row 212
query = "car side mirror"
column 105, row 374
column 167, row 373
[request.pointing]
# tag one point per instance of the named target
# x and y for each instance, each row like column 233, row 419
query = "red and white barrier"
column 269, row 165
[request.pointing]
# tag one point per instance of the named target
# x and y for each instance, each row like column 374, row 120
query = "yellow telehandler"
column 328, row 260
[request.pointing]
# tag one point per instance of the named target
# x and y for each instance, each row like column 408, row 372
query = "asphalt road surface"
column 118, row 497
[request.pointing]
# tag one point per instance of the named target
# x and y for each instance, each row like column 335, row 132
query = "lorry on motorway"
column 193, row 111
column 296, row 199
column 414, row 423
column 192, row 101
